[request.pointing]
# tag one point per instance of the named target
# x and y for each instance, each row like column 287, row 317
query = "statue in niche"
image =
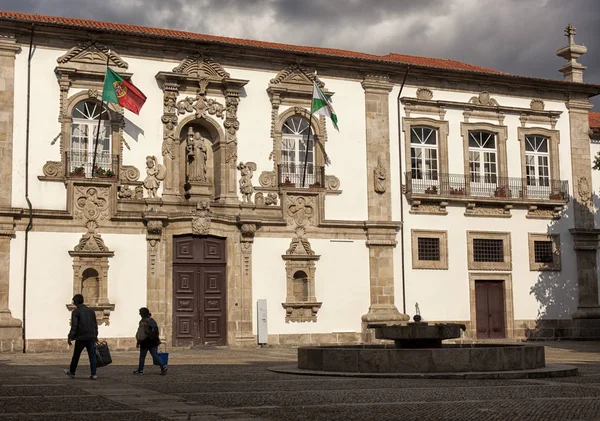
column 379, row 176
column 155, row 174
column 246, row 188
column 196, row 156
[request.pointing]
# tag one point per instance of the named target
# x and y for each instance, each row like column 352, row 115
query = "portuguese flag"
column 120, row 91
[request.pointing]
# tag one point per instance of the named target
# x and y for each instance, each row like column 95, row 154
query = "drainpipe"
column 30, row 224
column 401, row 198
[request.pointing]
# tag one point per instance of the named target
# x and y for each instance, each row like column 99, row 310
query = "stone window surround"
column 489, row 235
column 553, row 139
column 501, row 138
column 429, row 264
column 317, row 137
column 442, row 132
column 556, row 263
column 509, row 318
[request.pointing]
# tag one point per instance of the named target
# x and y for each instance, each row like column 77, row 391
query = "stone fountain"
column 418, row 352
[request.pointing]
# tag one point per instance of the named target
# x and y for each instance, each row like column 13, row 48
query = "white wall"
column 50, row 283
column 341, row 284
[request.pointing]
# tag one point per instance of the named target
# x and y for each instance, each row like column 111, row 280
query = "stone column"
column 10, row 328
column 585, row 234
column 381, row 231
column 156, row 294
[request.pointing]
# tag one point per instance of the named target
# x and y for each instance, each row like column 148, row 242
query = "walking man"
column 84, row 331
column 148, row 341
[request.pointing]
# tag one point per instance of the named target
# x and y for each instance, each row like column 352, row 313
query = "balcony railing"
column 291, row 175
column 491, row 186
column 79, row 164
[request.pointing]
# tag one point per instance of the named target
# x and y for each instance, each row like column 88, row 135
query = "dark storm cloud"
column 515, row 36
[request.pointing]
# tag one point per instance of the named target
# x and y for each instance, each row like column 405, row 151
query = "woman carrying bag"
column 147, row 341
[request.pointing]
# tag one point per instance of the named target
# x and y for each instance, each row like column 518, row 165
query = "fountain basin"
column 449, row 358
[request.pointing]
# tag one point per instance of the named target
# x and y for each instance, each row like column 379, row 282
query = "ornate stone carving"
column 271, row 199
column 197, row 66
column 200, row 106
column 91, row 241
column 299, row 244
column 246, row 188
column 424, row 93
column 380, row 176
column 197, row 155
column 139, row 193
column 296, row 73
column 332, row 182
column 92, row 52
column 583, row 188
column 248, row 231
column 433, row 208
column 201, row 221
column 54, row 169
column 301, row 312
column 300, row 210
column 537, row 105
column 259, row 199
column 91, row 203
column 232, row 125
column 155, row 173
column 268, row 179
column 535, row 212
column 124, row 192
column 129, row 173
column 154, row 228
column 153, row 254
column 484, row 99
column 473, row 209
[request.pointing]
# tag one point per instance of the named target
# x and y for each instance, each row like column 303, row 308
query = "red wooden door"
column 199, row 291
column 489, row 303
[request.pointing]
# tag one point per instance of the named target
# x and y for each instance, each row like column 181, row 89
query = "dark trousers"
column 155, row 358
column 90, row 345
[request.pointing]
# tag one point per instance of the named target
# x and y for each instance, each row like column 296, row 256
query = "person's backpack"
column 152, row 332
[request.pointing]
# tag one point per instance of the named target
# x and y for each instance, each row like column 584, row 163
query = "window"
column 84, row 130
column 544, row 252
column 429, row 249
column 482, row 157
column 489, row 250
column 294, row 151
column 537, row 158
column 423, row 153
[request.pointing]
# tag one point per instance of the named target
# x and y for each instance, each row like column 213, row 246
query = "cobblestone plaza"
column 235, row 384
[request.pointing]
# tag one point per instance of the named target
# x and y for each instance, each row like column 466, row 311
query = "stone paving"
column 235, row 384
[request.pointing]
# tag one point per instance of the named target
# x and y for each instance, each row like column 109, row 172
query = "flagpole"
column 99, row 119
column 307, row 146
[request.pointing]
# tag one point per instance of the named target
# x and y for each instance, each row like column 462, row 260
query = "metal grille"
column 486, row 250
column 542, row 251
column 428, row 248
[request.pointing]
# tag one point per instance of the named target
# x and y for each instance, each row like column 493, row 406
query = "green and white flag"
column 322, row 106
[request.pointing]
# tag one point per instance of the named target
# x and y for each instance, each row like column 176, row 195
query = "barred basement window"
column 487, row 250
column 429, row 249
column 542, row 252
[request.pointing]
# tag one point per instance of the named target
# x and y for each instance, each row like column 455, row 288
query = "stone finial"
column 573, row 70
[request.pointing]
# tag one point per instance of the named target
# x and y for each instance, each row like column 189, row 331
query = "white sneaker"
column 68, row 373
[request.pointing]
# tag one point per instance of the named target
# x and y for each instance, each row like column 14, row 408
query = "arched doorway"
column 199, row 290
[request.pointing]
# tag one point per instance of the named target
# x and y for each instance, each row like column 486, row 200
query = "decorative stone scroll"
column 301, row 304
column 54, row 169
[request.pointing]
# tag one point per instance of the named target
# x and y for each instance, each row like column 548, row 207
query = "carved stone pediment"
column 199, row 66
column 297, row 75
column 294, row 86
column 91, row 52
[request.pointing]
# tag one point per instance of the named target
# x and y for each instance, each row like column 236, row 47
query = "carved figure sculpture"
column 246, row 188
column 155, row 174
column 196, row 156
column 379, row 176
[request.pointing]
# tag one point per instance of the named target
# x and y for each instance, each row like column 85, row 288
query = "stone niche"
column 90, row 276
column 301, row 303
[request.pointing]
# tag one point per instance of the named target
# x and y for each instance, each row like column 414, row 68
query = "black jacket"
column 84, row 326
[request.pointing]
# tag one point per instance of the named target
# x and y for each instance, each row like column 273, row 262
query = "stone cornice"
column 486, row 108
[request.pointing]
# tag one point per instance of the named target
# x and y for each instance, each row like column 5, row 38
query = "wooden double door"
column 199, row 291
column 489, row 304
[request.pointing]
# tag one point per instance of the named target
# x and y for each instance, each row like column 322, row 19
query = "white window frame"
column 424, row 170
column 83, row 136
column 294, row 136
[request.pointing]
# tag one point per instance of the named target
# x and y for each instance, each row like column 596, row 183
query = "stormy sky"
column 515, row 36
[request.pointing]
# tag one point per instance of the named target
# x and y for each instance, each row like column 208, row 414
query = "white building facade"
column 462, row 189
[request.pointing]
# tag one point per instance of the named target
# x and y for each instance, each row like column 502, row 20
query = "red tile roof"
column 174, row 34
column 595, row 122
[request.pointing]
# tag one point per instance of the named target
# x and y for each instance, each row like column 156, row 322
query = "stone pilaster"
column 10, row 328
column 170, row 145
column 381, row 231
column 584, row 234
column 156, row 293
